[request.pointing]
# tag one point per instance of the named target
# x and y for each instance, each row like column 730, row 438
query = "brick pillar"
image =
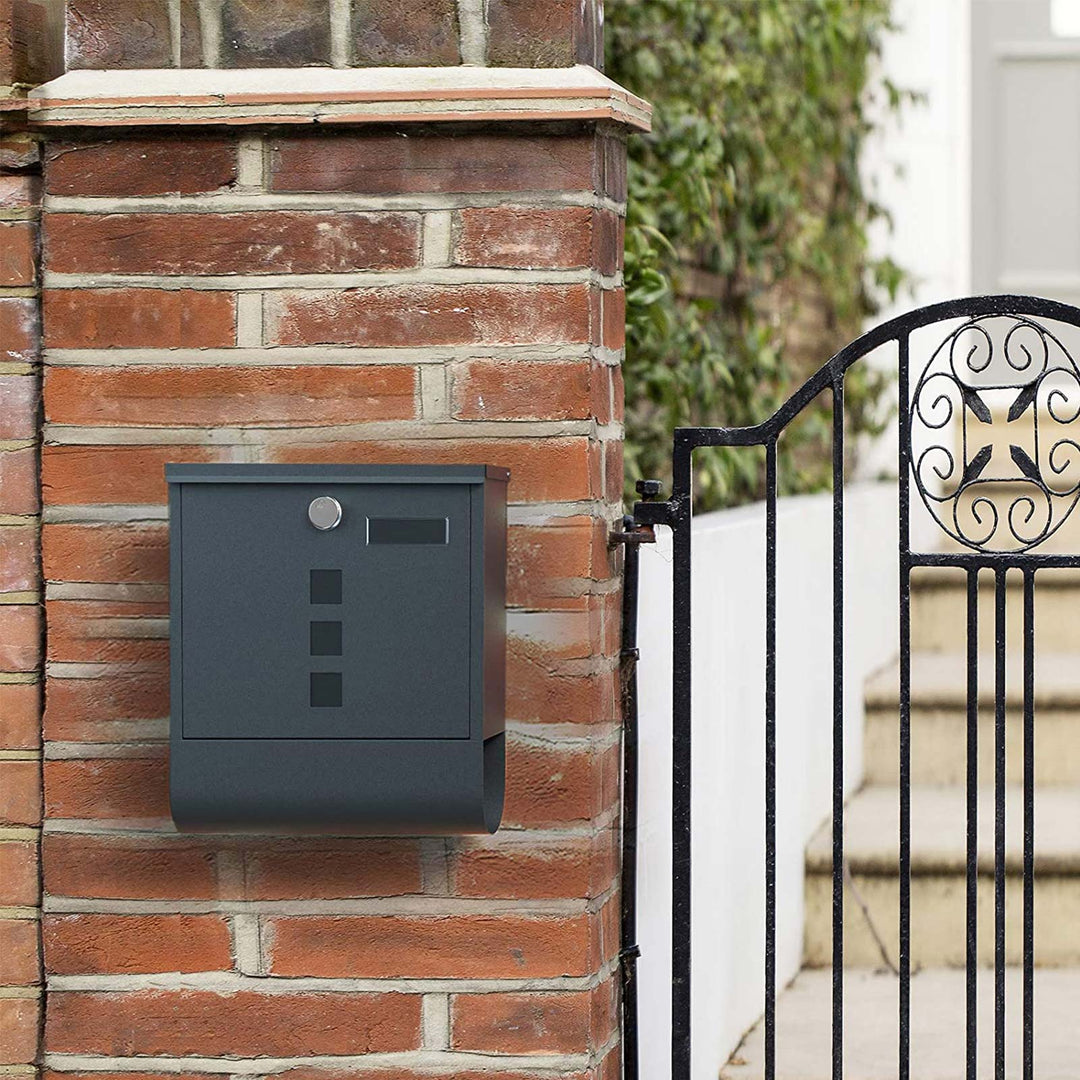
column 220, row 288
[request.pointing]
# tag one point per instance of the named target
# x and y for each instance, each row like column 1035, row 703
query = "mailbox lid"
column 266, row 652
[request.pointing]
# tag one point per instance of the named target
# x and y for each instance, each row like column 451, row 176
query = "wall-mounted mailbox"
column 337, row 648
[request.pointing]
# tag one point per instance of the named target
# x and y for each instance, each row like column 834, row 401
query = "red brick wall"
column 438, row 294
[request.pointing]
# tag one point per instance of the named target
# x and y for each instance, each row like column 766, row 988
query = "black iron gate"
column 994, row 521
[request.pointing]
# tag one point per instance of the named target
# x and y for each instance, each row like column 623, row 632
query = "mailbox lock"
column 324, row 512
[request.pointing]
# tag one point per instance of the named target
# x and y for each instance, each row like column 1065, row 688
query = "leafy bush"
column 746, row 246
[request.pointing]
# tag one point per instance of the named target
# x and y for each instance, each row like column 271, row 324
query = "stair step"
column 939, row 722
column 939, row 609
column 871, row 1003
column 938, row 883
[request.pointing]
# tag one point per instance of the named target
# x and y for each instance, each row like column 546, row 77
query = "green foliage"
column 746, row 208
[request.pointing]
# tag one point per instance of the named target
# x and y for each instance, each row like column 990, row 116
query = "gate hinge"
column 649, row 512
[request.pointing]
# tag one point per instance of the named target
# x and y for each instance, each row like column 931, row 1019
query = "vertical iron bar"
column 904, row 1018
column 770, row 761
column 972, row 819
column 681, row 492
column 838, row 733
column 999, row 823
column 1029, row 824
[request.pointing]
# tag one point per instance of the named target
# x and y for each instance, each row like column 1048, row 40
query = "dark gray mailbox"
column 338, row 648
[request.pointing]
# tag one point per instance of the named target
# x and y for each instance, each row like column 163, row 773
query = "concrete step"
column 871, row 1003
column 939, row 721
column 938, row 885
column 939, row 610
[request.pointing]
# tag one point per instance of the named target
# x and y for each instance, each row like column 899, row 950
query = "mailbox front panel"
column 360, row 631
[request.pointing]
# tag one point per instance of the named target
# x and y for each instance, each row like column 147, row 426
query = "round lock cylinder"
column 324, row 512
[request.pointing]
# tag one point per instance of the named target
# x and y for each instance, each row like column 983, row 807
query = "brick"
column 19, row 873
column 135, row 944
column 105, row 553
column 321, row 870
column 533, row 1023
column 452, row 946
column 542, row 690
column 547, row 565
column 407, row 33
column 19, row 481
column 102, row 709
column 138, row 318
column 377, row 163
column 523, row 236
column 398, row 1073
column 274, row 33
column 129, row 868
column 244, row 1024
column 19, row 1023
column 159, row 166
column 107, row 631
column 30, row 46
column 19, row 952
column 19, row 331
column 551, row 785
column 20, row 716
column 20, row 792
column 613, row 470
column 521, row 390
column 18, row 558
column 107, row 788
column 118, row 34
column 18, row 253
column 19, row 397
column 20, row 637
column 266, row 242
column 19, row 192
column 522, row 33
column 77, row 475
column 426, row 315
column 216, row 397
column 614, row 324
column 541, row 470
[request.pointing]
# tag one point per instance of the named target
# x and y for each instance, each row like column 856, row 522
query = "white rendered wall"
column 728, row 746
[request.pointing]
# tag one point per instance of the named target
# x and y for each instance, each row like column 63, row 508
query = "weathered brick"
column 19, row 191
column 90, row 944
column 550, row 785
column 407, row 33
column 274, row 33
column 158, row 166
column 19, row 952
column 19, row 397
column 19, row 330
column 450, row 946
column 18, row 253
column 524, row 236
column 20, row 716
column 18, row 873
column 521, row 390
column 541, row 470
column 546, row 565
column 118, row 34
column 215, row 397
column 105, row 553
column 542, row 690
column 249, row 242
column 138, row 318
column 426, row 315
column 244, row 1024
column 20, row 792
column 377, row 163
column 20, row 637
column 19, row 481
column 107, row 631
column 30, row 45
column 533, row 1023
column 77, row 475
column 328, row 869
column 614, row 324
column 19, row 1023
column 191, row 44
column 556, row 33
column 105, row 708
column 18, row 558
column 106, row 788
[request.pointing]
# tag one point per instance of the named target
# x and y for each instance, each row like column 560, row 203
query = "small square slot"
column 325, row 638
column 326, row 689
column 326, row 586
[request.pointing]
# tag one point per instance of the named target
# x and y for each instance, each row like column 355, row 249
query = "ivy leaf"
column 1022, row 402
column 1025, row 464
column 977, row 405
column 976, row 465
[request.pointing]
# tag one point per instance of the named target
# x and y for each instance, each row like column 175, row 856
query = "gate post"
column 330, row 264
